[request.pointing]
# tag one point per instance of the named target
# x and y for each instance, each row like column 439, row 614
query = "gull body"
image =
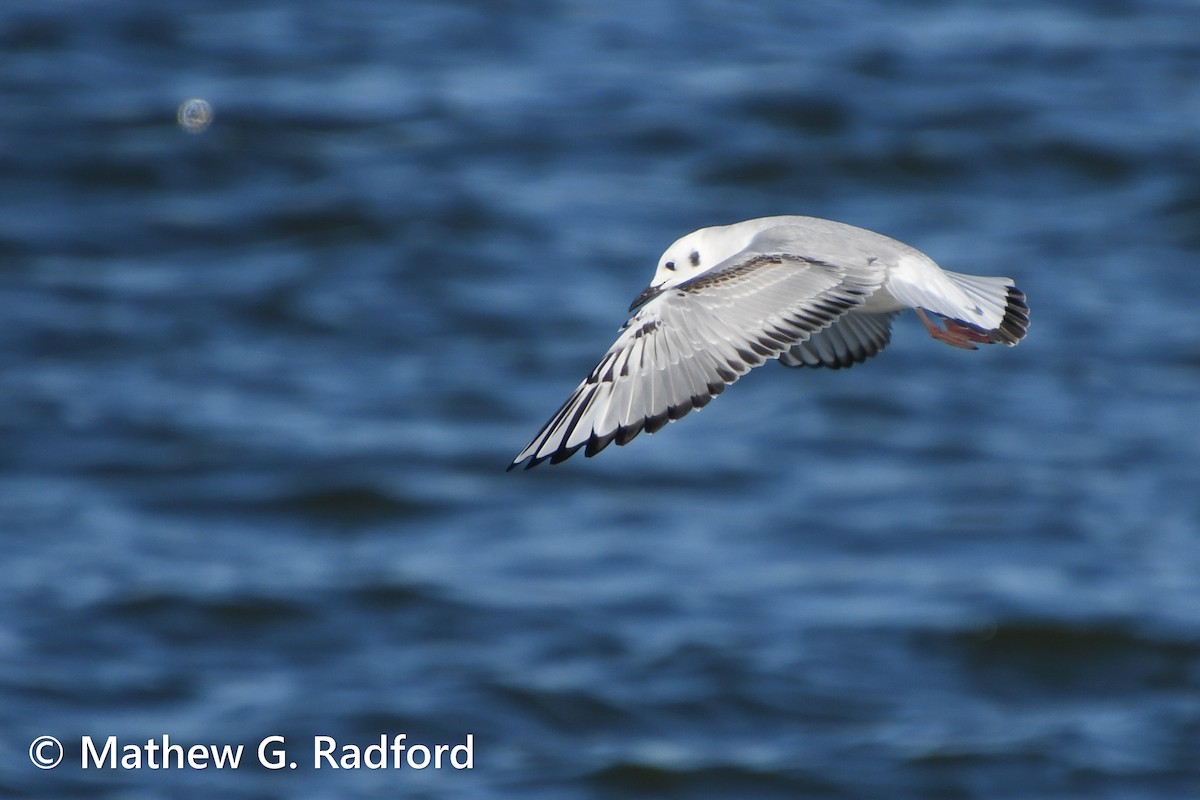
column 724, row 299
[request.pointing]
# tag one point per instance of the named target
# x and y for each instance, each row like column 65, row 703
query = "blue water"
column 259, row 385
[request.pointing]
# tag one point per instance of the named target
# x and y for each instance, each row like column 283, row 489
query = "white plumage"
column 805, row 291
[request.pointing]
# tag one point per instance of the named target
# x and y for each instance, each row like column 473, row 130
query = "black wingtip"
column 1015, row 324
column 525, row 464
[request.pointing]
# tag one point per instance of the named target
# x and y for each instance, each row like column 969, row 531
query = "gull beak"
column 648, row 294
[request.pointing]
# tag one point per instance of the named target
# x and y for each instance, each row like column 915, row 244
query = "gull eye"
column 670, row 265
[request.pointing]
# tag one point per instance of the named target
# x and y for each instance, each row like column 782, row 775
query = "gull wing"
column 851, row 340
column 684, row 346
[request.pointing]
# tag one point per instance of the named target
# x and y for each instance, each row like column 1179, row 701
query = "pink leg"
column 954, row 334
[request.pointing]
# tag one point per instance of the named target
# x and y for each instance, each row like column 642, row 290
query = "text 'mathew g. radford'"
column 390, row 752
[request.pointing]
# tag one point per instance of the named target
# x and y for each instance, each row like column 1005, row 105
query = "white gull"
column 805, row 291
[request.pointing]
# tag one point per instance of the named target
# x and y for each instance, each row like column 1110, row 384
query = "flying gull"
column 806, row 291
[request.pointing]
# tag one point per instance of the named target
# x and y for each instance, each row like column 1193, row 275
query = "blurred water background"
column 259, row 384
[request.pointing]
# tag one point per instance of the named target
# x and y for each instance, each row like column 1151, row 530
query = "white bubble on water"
column 194, row 115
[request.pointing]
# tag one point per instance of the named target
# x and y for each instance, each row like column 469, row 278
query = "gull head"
column 692, row 255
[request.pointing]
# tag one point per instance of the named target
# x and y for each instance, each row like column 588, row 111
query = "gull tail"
column 981, row 309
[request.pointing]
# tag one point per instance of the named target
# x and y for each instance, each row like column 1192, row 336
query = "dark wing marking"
column 850, row 340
